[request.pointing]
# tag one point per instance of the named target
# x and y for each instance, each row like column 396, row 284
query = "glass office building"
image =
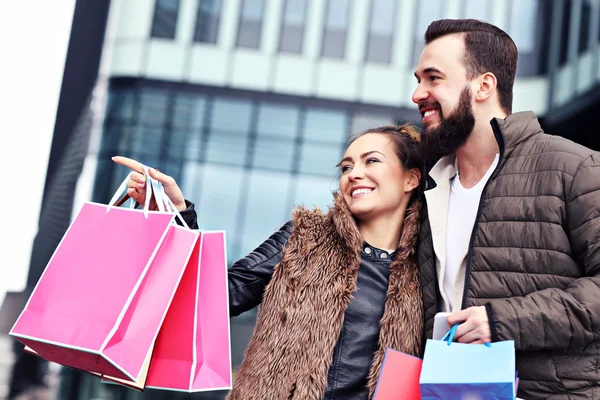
column 248, row 103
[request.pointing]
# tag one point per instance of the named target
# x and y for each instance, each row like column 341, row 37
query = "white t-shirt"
column 462, row 211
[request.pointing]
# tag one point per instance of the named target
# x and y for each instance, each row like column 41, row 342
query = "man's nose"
column 419, row 94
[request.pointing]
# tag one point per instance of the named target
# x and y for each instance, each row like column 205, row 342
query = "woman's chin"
column 361, row 211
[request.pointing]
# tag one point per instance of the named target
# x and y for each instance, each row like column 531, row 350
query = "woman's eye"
column 433, row 78
column 345, row 168
column 372, row 160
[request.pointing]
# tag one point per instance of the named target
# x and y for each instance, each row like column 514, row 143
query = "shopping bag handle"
column 163, row 201
column 153, row 187
column 449, row 336
column 123, row 188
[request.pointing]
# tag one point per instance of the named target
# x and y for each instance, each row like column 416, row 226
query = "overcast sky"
column 34, row 37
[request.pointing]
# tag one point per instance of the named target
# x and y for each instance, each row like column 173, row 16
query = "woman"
column 336, row 289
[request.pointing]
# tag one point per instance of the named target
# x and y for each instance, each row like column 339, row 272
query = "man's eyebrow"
column 363, row 155
column 429, row 70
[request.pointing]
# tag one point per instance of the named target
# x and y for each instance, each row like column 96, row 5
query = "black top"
column 359, row 337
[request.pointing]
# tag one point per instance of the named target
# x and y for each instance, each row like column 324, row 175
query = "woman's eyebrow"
column 363, row 155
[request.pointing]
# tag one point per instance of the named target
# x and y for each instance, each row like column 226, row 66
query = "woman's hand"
column 136, row 186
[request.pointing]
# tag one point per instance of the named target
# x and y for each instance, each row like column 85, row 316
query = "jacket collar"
column 509, row 132
column 514, row 130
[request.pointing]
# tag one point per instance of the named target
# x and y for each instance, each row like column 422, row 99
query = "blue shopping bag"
column 456, row 371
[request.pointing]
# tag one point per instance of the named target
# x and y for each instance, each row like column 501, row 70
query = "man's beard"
column 452, row 132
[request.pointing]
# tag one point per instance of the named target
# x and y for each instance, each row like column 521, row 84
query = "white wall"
column 34, row 36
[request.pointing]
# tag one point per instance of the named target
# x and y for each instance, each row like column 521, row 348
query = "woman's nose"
column 357, row 173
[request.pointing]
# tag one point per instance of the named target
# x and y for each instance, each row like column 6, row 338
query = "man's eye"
column 433, row 78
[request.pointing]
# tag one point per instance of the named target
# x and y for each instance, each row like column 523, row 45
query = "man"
column 511, row 239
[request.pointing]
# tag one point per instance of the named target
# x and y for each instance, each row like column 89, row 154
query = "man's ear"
column 487, row 87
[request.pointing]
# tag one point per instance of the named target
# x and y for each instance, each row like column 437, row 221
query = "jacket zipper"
column 500, row 140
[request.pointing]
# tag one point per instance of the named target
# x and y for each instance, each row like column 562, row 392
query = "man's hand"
column 474, row 325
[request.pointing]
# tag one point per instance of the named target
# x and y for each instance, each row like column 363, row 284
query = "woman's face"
column 373, row 181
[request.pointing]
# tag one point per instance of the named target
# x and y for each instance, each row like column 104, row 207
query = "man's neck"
column 383, row 232
column 476, row 156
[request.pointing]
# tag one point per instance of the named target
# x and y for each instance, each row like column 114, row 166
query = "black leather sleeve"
column 189, row 216
column 249, row 276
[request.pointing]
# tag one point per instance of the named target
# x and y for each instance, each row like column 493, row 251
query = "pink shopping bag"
column 192, row 352
column 399, row 377
column 105, row 292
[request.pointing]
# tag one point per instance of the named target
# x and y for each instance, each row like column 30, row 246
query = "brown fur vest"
column 303, row 307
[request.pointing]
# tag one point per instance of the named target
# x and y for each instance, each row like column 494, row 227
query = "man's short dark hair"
column 487, row 49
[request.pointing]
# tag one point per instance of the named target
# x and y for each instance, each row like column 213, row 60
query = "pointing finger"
column 129, row 163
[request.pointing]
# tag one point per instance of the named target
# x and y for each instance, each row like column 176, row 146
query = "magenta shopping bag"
column 192, row 352
column 103, row 296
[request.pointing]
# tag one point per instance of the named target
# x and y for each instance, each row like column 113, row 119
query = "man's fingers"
column 463, row 329
column 458, row 317
column 469, row 337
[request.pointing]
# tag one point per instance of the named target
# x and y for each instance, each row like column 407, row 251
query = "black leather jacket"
column 358, row 341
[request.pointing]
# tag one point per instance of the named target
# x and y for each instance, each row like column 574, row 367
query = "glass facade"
column 381, row 31
column 207, row 21
column 244, row 162
column 427, row 12
column 477, row 9
column 164, row 20
column 293, row 22
column 335, row 30
column 250, row 24
column 584, row 30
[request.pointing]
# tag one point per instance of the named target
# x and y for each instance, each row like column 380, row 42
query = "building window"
column 292, row 26
column 381, row 31
column 164, row 22
column 585, row 24
column 427, row 12
column 566, row 29
column 523, row 16
column 250, row 25
column 336, row 29
column 477, row 9
column 207, row 21
column 276, row 132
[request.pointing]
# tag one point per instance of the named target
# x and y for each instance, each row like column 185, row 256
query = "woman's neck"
column 382, row 232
